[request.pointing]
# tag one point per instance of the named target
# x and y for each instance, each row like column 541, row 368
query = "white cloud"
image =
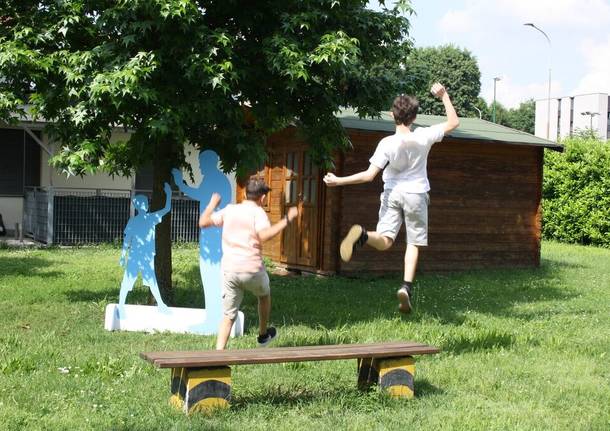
column 494, row 32
column 456, row 21
column 597, row 60
column 572, row 13
column 511, row 94
column 586, row 14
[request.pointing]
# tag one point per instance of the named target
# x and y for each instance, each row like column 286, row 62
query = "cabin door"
column 301, row 187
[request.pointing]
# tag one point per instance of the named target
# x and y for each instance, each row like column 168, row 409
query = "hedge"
column 576, row 193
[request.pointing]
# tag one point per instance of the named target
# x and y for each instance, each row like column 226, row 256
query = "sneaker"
column 404, row 300
column 264, row 340
column 355, row 235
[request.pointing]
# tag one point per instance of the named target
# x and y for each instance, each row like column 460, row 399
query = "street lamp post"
column 548, row 105
column 591, row 115
column 493, row 108
column 479, row 111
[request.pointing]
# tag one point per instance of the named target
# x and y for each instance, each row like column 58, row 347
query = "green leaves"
column 455, row 68
column 336, row 48
column 123, row 80
column 216, row 74
column 576, row 193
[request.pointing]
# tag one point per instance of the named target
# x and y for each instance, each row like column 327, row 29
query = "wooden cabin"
column 484, row 211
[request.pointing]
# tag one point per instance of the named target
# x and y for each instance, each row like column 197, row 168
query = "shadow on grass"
column 187, row 292
column 337, row 301
column 485, row 340
column 26, row 266
column 139, row 295
column 424, row 389
column 292, row 396
column 332, row 305
column 322, row 337
column 281, row 396
column 83, row 295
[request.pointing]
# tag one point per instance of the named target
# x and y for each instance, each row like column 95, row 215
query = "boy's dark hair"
column 405, row 109
column 255, row 188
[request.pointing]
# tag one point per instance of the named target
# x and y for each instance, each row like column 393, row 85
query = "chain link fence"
column 67, row 216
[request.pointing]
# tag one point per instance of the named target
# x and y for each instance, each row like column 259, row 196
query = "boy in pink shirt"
column 245, row 228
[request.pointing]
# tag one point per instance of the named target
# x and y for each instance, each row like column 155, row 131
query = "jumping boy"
column 245, row 228
column 403, row 158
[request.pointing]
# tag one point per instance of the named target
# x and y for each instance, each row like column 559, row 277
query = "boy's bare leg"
column 224, row 330
column 411, row 256
column 264, row 309
column 358, row 236
column 404, row 293
column 378, row 241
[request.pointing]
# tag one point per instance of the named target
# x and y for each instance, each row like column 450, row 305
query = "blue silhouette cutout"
column 210, row 239
column 140, row 241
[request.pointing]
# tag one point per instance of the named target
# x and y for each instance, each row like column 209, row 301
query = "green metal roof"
column 470, row 129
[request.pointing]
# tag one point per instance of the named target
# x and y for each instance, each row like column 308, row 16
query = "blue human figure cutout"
column 210, row 240
column 140, row 242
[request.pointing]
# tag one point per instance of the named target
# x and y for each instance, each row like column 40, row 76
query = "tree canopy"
column 457, row 69
column 520, row 118
column 220, row 75
column 524, row 117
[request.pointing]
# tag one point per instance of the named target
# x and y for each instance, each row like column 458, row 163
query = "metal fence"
column 35, row 214
column 68, row 216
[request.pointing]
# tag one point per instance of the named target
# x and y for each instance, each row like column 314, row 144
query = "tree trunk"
column 162, row 165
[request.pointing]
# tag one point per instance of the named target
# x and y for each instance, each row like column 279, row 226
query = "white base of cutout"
column 149, row 318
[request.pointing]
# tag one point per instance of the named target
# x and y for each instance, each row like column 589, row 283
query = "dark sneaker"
column 355, row 235
column 404, row 300
column 264, row 340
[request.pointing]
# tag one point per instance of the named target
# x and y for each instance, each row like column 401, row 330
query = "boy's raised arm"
column 179, row 180
column 126, row 243
column 331, row 180
column 269, row 232
column 168, row 203
column 452, row 118
column 205, row 220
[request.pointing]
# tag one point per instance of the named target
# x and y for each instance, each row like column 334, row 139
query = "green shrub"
column 576, row 193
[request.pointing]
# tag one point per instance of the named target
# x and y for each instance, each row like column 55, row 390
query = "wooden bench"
column 201, row 381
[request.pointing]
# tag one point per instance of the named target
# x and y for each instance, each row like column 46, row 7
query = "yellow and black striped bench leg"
column 201, row 389
column 395, row 375
column 368, row 375
column 178, row 387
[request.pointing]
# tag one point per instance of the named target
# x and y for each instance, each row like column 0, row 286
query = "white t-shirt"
column 404, row 158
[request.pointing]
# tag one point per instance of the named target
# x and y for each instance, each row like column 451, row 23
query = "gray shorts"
column 397, row 206
column 234, row 285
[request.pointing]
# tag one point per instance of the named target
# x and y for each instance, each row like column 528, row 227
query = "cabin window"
column 310, row 180
column 19, row 162
column 291, row 193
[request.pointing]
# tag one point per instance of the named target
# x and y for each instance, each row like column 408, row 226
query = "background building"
column 573, row 113
column 53, row 208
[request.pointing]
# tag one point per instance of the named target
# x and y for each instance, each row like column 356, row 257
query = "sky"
column 493, row 31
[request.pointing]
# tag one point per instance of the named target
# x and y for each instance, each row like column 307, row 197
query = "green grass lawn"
column 521, row 349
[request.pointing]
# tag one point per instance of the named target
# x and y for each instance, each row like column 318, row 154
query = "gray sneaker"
column 404, row 300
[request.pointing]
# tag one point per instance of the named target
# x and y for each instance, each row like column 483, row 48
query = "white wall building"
column 573, row 113
column 24, row 163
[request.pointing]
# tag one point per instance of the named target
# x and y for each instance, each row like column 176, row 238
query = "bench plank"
column 211, row 358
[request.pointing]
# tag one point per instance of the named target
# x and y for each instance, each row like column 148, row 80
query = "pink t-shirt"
column 241, row 246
